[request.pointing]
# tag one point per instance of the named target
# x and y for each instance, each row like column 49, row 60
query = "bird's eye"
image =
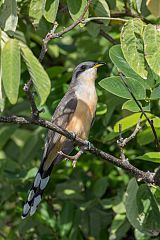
column 83, row 67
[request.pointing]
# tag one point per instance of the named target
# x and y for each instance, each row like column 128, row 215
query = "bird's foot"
column 72, row 158
column 87, row 146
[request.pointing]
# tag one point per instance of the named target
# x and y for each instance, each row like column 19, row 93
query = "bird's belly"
column 81, row 120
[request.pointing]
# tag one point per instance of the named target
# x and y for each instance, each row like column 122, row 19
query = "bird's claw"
column 88, row 145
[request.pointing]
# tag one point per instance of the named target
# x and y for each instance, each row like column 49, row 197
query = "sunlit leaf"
column 117, row 87
column 150, row 157
column 1, row 90
column 76, row 8
column 51, row 10
column 118, row 59
column 11, row 69
column 151, row 47
column 101, row 9
column 38, row 74
column 132, row 106
column 36, row 9
column 132, row 46
column 130, row 121
column 31, row 173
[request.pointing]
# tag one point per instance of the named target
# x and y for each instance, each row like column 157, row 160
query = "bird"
column 75, row 113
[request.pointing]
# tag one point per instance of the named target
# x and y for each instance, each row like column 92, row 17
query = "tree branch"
column 108, row 37
column 52, row 35
column 148, row 177
column 141, row 108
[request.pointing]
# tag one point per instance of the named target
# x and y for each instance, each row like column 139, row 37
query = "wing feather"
column 61, row 117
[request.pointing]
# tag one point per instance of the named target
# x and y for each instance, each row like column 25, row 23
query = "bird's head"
column 86, row 71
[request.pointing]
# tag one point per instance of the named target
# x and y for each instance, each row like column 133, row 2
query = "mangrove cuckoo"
column 75, row 113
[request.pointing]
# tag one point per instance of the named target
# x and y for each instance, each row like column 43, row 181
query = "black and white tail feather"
column 36, row 191
column 40, row 182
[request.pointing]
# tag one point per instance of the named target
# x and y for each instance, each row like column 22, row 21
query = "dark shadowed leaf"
column 100, row 186
column 9, row 18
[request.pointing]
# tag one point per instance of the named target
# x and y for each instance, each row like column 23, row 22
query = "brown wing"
column 61, row 117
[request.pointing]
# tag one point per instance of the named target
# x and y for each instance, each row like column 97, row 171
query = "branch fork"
column 122, row 142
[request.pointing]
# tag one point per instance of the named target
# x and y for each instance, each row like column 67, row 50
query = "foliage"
column 95, row 200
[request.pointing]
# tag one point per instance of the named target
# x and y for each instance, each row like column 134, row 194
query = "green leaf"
column 131, row 203
column 100, row 186
column 130, row 121
column 117, row 87
column 93, row 29
column 101, row 109
column 38, row 74
column 155, row 94
column 37, row 9
column 51, row 9
column 156, row 122
column 151, row 47
column 76, row 8
column 141, row 208
column 146, row 136
column 150, row 157
column 1, row 90
column 132, row 106
column 118, row 59
column 30, row 174
column 11, row 69
column 5, row 134
column 9, row 19
column 148, row 211
column 132, row 46
column 101, row 9
column 119, row 227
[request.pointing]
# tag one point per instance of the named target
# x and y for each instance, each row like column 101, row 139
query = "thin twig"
column 128, row 139
column 27, row 89
column 49, row 36
column 148, row 177
column 108, row 37
column 52, row 35
column 140, row 107
column 120, row 144
column 103, row 18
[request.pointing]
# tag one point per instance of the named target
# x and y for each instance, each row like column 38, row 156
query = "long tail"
column 36, row 191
